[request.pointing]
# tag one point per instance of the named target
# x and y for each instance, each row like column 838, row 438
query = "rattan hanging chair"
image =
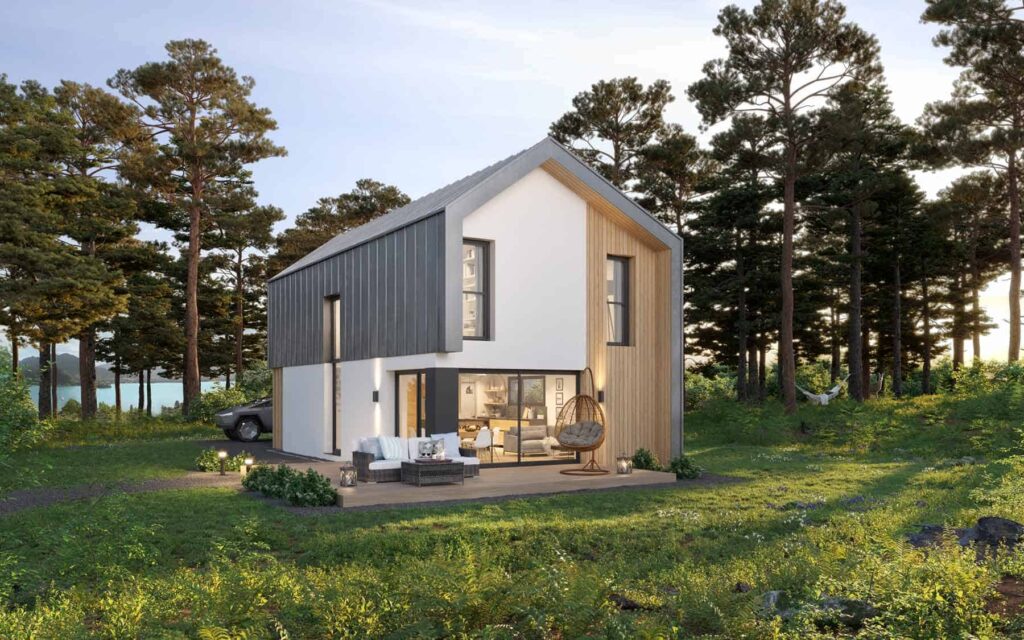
column 581, row 426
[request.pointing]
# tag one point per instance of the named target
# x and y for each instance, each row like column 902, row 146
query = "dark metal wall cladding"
column 392, row 299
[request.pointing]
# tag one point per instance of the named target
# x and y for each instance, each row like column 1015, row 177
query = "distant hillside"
column 67, row 371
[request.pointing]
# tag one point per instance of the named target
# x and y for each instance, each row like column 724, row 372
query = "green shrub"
column 19, row 420
column 209, row 461
column 257, row 381
column 214, row 400
column 645, row 459
column 309, row 489
column 71, row 409
column 702, row 389
column 684, row 468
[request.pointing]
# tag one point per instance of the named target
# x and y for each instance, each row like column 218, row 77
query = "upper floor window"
column 332, row 334
column 617, row 271
column 475, row 290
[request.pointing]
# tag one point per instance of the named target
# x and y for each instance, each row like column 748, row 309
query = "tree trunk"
column 87, row 372
column 14, row 352
column 959, row 330
column 836, row 348
column 149, row 392
column 239, row 314
column 975, row 325
column 1014, row 192
column 897, row 329
column 854, row 350
column 227, row 379
column 190, row 374
column 142, row 392
column 741, row 331
column 45, row 399
column 53, row 379
column 865, row 354
column 787, row 357
column 752, row 385
column 926, row 357
column 762, row 371
column 117, row 388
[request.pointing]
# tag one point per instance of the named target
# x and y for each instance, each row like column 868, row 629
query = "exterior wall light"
column 376, row 395
column 223, row 456
column 600, row 395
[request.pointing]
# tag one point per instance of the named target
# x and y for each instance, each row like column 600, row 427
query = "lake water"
column 165, row 394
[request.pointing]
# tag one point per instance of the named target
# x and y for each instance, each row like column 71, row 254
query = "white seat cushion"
column 468, row 461
column 380, row 465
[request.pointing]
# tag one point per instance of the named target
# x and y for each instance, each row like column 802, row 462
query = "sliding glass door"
column 510, row 417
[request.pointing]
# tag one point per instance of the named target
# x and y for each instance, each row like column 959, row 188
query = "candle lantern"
column 624, row 464
column 348, row 475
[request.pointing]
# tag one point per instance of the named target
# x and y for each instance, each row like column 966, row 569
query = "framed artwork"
column 558, row 399
column 558, row 385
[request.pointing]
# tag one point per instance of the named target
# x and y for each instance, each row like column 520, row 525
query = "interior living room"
column 510, row 417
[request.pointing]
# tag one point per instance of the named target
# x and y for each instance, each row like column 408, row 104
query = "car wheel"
column 231, row 434
column 248, row 430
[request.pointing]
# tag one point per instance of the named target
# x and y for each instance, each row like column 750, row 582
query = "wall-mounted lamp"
column 376, row 395
column 600, row 395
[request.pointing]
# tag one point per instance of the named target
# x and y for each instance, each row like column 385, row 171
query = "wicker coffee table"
column 424, row 473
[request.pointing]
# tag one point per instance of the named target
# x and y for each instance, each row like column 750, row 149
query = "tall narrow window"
column 334, row 355
column 617, row 270
column 475, row 291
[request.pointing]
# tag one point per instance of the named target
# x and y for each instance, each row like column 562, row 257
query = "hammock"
column 823, row 398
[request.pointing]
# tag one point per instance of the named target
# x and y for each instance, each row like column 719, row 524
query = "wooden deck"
column 493, row 483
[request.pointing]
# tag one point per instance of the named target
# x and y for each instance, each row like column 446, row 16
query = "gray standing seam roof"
column 437, row 201
column 433, row 202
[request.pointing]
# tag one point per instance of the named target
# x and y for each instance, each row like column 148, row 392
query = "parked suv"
column 248, row 421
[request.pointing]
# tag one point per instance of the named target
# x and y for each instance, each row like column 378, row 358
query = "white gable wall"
column 538, row 228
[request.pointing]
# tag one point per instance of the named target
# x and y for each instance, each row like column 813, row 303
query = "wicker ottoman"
column 430, row 473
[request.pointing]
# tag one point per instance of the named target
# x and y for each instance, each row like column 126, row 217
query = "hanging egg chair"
column 581, row 426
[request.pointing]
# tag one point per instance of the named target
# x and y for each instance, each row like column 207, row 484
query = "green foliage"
column 685, row 468
column 71, row 409
column 19, row 420
column 309, row 489
column 257, row 381
column 701, row 389
column 214, row 400
column 208, row 460
column 645, row 459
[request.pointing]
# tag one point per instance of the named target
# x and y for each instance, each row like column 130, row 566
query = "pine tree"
column 205, row 131
column 785, row 58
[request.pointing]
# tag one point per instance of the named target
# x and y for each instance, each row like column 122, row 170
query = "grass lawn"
column 822, row 509
column 105, row 453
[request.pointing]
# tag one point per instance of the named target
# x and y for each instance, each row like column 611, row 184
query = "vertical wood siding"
column 636, row 379
column 392, row 299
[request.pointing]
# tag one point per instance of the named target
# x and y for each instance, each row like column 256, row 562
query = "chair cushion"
column 581, row 434
column 466, row 460
column 393, row 448
column 381, row 465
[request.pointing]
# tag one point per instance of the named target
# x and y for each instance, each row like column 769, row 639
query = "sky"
column 418, row 94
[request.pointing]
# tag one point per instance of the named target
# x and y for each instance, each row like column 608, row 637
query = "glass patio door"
column 412, row 406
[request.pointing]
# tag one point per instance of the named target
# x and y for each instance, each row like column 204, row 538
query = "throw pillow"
column 391, row 447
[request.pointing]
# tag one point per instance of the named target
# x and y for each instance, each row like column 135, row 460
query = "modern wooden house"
column 476, row 307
